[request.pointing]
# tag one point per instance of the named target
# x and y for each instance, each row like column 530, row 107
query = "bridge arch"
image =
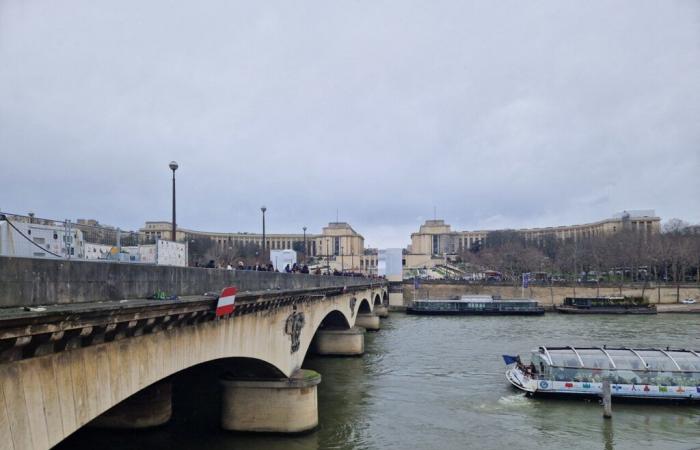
column 377, row 300
column 364, row 307
column 334, row 320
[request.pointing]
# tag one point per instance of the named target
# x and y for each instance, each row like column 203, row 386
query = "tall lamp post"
column 173, row 167
column 304, row 244
column 263, row 209
column 342, row 266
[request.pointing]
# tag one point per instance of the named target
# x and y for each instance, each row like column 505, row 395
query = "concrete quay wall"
column 550, row 296
column 33, row 281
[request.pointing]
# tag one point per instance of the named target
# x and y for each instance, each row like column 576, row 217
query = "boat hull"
column 424, row 312
column 580, row 389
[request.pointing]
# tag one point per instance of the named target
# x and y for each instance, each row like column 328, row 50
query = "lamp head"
column 173, row 166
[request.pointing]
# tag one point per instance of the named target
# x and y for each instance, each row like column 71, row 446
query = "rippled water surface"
column 437, row 383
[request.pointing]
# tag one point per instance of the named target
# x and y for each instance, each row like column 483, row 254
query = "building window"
column 336, row 246
column 436, row 244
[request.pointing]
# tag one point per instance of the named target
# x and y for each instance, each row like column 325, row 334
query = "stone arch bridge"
column 69, row 365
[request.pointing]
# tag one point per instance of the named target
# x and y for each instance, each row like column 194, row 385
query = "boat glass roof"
column 623, row 358
column 686, row 360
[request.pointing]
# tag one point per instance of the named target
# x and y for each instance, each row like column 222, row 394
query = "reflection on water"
column 608, row 435
column 437, row 382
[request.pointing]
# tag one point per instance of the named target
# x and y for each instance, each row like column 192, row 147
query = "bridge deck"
column 27, row 321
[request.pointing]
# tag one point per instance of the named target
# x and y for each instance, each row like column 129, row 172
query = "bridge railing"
column 32, row 281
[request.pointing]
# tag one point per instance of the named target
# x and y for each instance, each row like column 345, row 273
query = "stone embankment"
column 668, row 297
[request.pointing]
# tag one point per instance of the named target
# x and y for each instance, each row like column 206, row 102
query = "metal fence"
column 31, row 236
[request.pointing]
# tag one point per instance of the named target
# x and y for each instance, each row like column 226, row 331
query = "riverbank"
column 553, row 295
column 679, row 308
column 661, row 309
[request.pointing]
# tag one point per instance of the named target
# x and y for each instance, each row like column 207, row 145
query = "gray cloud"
column 497, row 113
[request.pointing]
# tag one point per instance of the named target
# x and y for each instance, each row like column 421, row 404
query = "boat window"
column 564, row 357
column 686, row 360
column 657, row 360
column 594, row 358
column 626, row 359
column 626, row 377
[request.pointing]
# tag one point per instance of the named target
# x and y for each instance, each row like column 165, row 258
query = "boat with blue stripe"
column 634, row 373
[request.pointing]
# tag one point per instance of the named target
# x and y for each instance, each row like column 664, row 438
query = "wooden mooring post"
column 607, row 400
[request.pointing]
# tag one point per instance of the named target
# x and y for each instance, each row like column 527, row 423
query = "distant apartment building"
column 30, row 237
column 435, row 239
column 338, row 245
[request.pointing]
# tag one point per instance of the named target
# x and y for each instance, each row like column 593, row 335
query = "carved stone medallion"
column 294, row 325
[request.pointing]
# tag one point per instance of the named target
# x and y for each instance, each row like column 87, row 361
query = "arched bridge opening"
column 364, row 307
column 335, row 320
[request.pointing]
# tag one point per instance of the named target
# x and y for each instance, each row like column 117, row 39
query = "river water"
column 437, row 383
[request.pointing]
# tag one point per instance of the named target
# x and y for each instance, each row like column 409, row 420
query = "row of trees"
column 672, row 255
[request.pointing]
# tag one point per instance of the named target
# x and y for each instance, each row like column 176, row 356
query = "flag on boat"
column 510, row 359
column 225, row 305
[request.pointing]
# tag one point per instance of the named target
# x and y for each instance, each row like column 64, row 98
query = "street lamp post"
column 263, row 209
column 304, row 244
column 342, row 265
column 173, row 167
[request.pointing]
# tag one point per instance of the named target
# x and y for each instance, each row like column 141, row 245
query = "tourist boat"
column 646, row 374
column 476, row 305
column 606, row 305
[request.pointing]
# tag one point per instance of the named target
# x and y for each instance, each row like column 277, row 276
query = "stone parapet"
column 36, row 281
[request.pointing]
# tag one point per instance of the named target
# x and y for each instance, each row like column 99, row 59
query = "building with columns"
column 338, row 246
column 435, row 239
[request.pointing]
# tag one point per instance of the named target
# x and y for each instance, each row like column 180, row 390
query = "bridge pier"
column 150, row 407
column 349, row 342
column 368, row 321
column 287, row 405
column 381, row 311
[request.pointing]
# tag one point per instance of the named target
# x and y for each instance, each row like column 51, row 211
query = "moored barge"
column 606, row 305
column 481, row 305
column 639, row 374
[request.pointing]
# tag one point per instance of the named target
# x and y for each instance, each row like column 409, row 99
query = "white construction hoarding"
column 390, row 264
column 171, row 253
column 280, row 258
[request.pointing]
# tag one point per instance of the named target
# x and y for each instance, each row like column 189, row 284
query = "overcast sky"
column 497, row 114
